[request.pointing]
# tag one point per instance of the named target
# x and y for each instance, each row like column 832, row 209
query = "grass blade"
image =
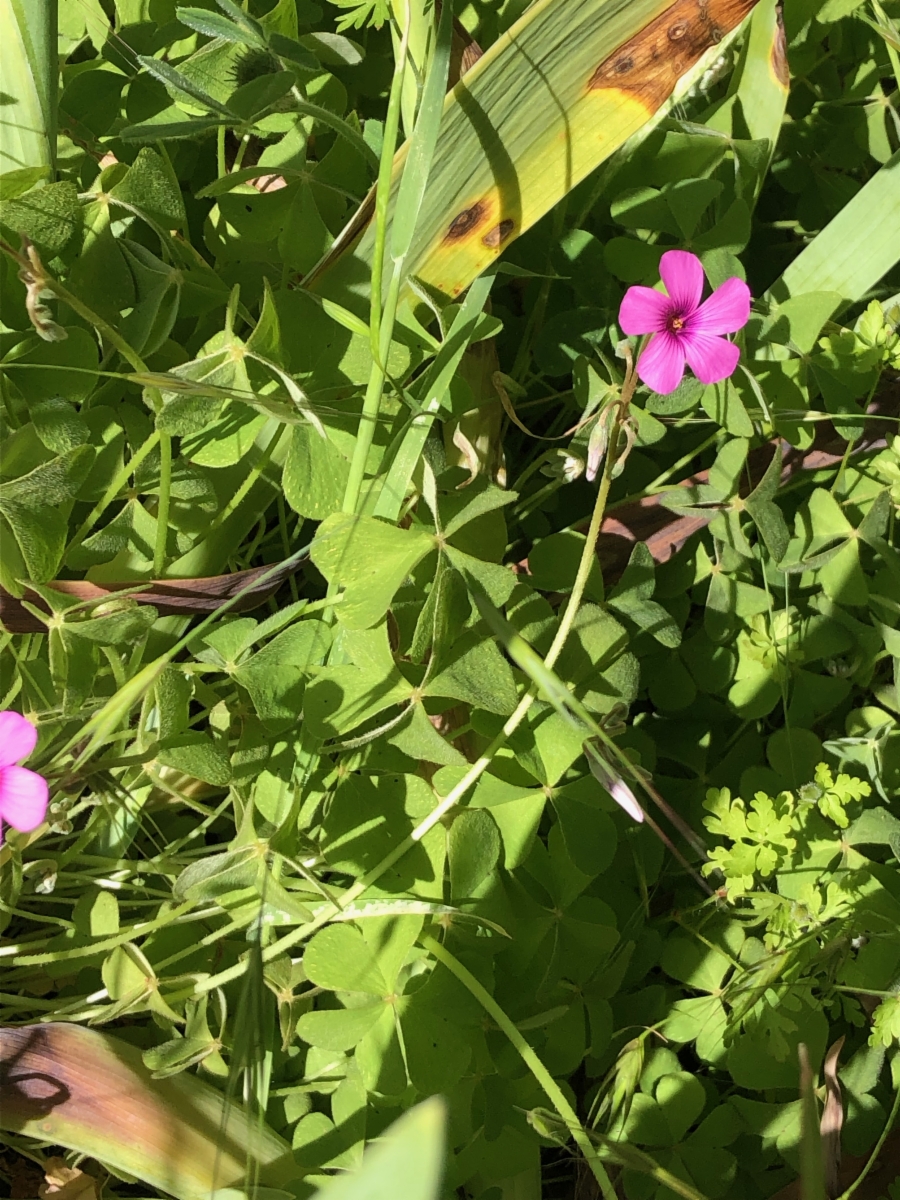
column 554, row 97
column 96, row 1096
column 854, row 250
column 411, row 191
column 812, row 1169
column 30, row 78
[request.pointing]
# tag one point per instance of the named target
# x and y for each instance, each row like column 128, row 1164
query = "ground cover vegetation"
column 461, row 665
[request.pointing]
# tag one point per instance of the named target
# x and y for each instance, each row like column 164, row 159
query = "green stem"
column 553, row 1091
column 658, row 483
column 481, row 765
column 892, row 53
column 252, row 476
column 162, row 511
column 112, row 335
column 286, row 544
column 372, row 401
column 42, row 27
column 383, row 189
column 121, row 478
column 381, row 321
column 221, row 165
column 241, row 151
column 873, row 1157
column 531, row 503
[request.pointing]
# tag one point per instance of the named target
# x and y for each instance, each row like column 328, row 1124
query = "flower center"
column 676, row 323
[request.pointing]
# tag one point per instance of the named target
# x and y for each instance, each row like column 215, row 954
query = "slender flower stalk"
column 684, row 331
column 23, row 793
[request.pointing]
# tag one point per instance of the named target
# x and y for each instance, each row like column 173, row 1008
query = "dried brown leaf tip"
column 63, row 1182
column 832, row 1121
column 34, row 275
column 780, row 67
column 652, row 62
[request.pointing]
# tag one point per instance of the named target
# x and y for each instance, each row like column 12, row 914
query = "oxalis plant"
column 451, row 599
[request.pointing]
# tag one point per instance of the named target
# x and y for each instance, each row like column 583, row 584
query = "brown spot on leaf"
column 498, row 235
column 651, row 63
column 466, row 221
column 780, row 67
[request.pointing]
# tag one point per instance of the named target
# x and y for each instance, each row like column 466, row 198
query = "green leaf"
column 157, row 295
column 16, row 183
column 392, row 806
column 171, row 123
column 793, row 754
column 731, row 233
column 644, row 208
column 476, row 673
column 722, row 402
column 116, row 628
column 682, row 1098
column 767, row 516
column 589, row 832
column 252, row 100
column 304, row 236
column 315, row 474
column 170, row 1058
column 214, row 25
column 698, row 964
column 418, row 739
column 856, row 248
column 276, row 675
column 799, row 320
column 459, row 508
column 340, row 958
column 342, row 697
column 216, row 875
column 50, row 216
column 36, row 506
column 292, row 50
column 369, row 560
column 689, row 199
column 180, row 82
column 92, row 101
column 195, row 754
column 473, row 850
column 44, row 370
column 498, row 582
column 338, row 1028
column 874, row 827
column 412, row 1150
column 151, row 187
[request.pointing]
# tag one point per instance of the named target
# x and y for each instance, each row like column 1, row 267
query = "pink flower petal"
column 23, row 798
column 18, row 738
column 644, row 311
column 682, row 273
column 624, row 797
column 712, row 359
column 661, row 365
column 726, row 311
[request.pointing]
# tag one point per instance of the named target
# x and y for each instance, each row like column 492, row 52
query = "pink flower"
column 23, row 793
column 612, row 781
column 684, row 330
